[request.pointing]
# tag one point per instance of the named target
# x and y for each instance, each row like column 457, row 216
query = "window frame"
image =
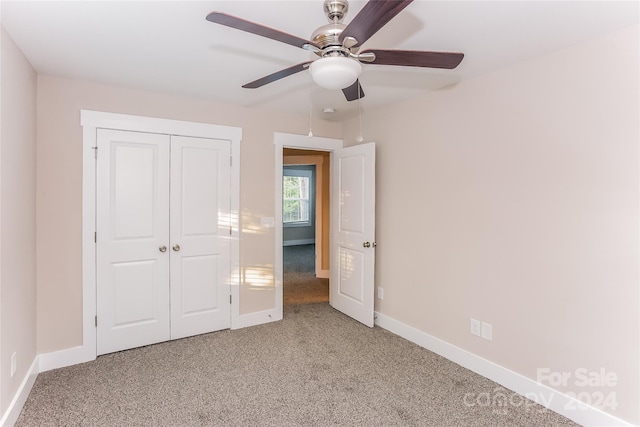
column 307, row 173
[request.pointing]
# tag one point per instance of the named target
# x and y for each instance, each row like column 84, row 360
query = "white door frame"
column 91, row 121
column 302, row 142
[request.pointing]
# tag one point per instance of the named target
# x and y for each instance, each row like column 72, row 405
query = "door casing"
column 303, row 142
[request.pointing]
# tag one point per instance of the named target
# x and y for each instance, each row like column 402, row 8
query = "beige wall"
column 17, row 218
column 60, row 185
column 513, row 199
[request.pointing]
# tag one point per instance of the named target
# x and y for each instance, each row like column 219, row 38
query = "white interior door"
column 353, row 231
column 200, row 236
column 132, row 218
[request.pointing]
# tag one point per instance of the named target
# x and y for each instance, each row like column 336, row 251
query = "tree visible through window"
column 295, row 199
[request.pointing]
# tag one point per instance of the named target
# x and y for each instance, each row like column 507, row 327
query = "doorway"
column 305, row 198
column 352, row 228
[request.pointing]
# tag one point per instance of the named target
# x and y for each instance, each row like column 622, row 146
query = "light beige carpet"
column 316, row 367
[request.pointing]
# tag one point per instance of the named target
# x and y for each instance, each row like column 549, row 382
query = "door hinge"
column 230, row 161
column 95, row 237
column 96, row 321
column 230, row 299
column 230, row 230
column 95, row 152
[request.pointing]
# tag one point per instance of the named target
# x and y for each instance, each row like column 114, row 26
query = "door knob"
column 176, row 247
column 163, row 248
column 366, row 244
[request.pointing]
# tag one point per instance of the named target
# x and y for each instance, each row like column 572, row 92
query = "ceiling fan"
column 337, row 45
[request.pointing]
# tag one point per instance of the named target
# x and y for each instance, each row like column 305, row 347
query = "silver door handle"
column 366, row 244
column 162, row 248
column 176, row 247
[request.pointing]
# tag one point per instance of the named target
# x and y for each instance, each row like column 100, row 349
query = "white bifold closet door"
column 200, row 261
column 163, row 265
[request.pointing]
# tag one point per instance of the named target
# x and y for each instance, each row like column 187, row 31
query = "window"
column 296, row 197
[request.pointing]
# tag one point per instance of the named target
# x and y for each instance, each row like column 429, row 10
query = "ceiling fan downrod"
column 336, row 10
column 329, row 35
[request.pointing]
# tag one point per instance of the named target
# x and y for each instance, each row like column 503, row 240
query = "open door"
column 353, row 231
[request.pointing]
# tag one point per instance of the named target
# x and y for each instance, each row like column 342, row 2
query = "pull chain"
column 360, row 138
column 310, row 110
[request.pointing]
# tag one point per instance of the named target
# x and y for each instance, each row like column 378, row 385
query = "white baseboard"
column 323, row 274
column 298, row 242
column 64, row 358
column 15, row 407
column 546, row 396
column 42, row 363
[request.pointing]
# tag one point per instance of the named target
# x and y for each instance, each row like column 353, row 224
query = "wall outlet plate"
column 487, row 331
column 380, row 293
column 475, row 327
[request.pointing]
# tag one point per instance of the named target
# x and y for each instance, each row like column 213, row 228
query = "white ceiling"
column 168, row 46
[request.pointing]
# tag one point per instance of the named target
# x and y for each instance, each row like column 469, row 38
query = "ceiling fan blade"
column 353, row 92
column 416, row 58
column 277, row 75
column 260, row 30
column 373, row 16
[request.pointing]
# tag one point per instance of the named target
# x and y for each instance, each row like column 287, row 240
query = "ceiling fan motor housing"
column 328, row 35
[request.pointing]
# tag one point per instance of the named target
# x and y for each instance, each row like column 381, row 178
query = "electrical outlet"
column 475, row 327
column 380, row 293
column 14, row 364
column 487, row 331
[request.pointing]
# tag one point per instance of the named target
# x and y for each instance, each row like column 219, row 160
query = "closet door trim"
column 91, row 121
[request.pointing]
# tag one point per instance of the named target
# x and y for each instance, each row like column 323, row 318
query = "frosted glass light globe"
column 335, row 72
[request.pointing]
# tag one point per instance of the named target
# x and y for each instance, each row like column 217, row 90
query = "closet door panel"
column 200, row 238
column 132, row 227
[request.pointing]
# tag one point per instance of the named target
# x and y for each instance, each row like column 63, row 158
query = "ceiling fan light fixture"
column 335, row 72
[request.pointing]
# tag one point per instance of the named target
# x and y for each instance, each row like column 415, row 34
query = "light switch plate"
column 267, row 222
column 475, row 327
